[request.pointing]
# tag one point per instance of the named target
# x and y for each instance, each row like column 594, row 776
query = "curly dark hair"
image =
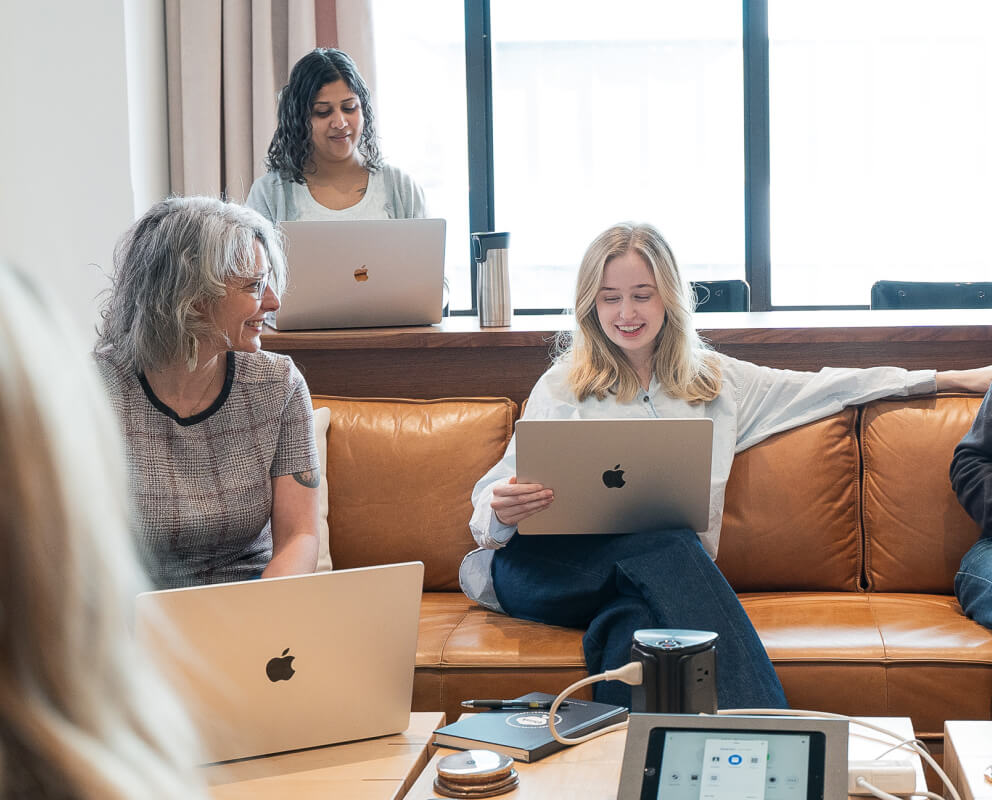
column 292, row 143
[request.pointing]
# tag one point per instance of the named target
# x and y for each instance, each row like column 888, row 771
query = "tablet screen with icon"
column 733, row 765
column 688, row 757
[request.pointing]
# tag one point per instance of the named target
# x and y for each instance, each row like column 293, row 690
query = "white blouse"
column 754, row 402
column 371, row 206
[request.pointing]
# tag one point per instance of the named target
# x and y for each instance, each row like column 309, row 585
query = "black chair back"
column 722, row 295
column 930, row 294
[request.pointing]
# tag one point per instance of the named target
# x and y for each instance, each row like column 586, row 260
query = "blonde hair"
column 82, row 713
column 685, row 365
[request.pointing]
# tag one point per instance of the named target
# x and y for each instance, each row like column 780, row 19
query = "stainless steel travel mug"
column 491, row 254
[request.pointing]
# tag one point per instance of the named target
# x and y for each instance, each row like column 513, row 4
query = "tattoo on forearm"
column 309, row 478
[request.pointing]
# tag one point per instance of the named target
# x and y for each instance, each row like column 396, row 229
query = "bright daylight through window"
column 881, row 145
column 879, row 136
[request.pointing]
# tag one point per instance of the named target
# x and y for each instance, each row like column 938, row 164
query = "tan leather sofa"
column 841, row 537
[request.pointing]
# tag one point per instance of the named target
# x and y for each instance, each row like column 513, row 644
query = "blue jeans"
column 973, row 583
column 614, row 585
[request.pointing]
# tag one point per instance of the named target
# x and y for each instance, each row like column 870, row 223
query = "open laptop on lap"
column 617, row 475
column 286, row 663
column 363, row 273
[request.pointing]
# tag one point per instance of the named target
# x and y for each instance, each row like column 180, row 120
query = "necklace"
column 199, row 403
column 172, row 398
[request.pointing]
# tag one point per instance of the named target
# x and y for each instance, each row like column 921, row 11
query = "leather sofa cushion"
column 400, row 475
column 791, row 516
column 915, row 529
column 895, row 655
column 846, row 652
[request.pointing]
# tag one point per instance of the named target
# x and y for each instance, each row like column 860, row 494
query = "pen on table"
column 534, row 705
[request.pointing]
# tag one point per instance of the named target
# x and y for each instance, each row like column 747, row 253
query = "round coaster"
column 475, row 773
column 472, row 767
column 484, row 790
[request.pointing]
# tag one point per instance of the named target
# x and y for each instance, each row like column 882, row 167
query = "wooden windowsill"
column 762, row 327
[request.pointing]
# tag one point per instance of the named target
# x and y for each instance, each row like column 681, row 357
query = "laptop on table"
column 617, row 475
column 363, row 273
column 281, row 664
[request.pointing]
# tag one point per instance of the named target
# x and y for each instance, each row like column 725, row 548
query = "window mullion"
column 757, row 159
column 479, row 86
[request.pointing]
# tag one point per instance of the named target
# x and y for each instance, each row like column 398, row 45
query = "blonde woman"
column 82, row 715
column 637, row 354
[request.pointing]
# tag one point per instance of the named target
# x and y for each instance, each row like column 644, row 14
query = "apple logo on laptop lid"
column 613, row 478
column 280, row 668
column 362, row 274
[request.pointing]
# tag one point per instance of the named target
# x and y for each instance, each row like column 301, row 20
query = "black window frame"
column 755, row 129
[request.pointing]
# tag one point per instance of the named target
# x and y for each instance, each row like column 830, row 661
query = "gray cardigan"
column 272, row 196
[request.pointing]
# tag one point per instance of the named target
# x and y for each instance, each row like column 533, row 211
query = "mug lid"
column 492, row 239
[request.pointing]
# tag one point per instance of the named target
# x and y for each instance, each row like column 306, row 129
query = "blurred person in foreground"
column 219, row 433
column 83, row 714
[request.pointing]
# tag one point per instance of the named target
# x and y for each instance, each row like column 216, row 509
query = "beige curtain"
column 355, row 35
column 227, row 60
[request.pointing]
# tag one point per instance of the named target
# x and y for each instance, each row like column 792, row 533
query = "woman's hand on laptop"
column 514, row 501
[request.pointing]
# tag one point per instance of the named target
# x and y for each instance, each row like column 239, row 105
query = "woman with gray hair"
column 219, row 434
column 83, row 713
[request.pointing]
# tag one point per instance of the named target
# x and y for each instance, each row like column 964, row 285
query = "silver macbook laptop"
column 363, row 273
column 617, row 475
column 286, row 663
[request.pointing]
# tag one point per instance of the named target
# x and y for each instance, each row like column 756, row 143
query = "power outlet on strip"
column 894, row 777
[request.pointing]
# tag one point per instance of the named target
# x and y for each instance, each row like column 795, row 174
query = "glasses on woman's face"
column 257, row 285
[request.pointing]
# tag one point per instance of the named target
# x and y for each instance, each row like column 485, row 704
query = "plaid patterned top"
column 202, row 485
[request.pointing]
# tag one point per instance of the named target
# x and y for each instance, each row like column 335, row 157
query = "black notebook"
column 524, row 735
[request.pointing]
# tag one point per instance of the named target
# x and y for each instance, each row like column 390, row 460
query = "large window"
column 600, row 116
column 881, row 145
column 831, row 146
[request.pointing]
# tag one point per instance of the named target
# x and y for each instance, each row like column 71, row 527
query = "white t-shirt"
column 371, row 206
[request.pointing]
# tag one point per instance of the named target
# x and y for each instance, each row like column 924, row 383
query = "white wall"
column 69, row 182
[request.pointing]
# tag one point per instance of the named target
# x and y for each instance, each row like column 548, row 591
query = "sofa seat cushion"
column 466, row 652
column 877, row 654
column 866, row 654
column 455, row 632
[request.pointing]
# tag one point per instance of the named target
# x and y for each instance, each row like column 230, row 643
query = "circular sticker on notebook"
column 531, row 719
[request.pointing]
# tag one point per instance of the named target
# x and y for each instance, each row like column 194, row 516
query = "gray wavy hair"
column 171, row 269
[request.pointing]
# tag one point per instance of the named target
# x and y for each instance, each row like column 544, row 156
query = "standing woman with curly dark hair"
column 324, row 161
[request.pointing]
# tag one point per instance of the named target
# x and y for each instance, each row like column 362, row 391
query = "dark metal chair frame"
column 716, row 296
column 930, row 294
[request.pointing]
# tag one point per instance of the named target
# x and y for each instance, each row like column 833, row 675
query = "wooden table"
column 372, row 769
column 967, row 753
column 591, row 771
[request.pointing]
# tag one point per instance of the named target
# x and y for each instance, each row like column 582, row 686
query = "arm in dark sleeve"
column 971, row 468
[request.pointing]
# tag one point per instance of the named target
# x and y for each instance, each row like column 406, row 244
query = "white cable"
column 899, row 744
column 908, row 743
column 631, row 674
column 878, row 792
